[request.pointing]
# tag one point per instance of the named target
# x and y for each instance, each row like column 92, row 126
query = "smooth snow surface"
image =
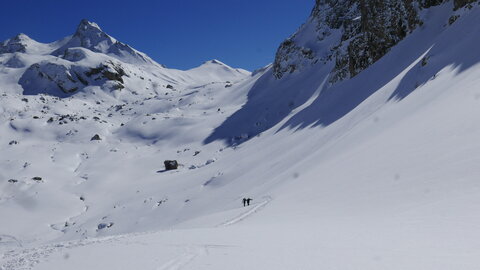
column 377, row 172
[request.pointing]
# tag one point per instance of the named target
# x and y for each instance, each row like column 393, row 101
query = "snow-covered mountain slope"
column 21, row 43
column 91, row 37
column 378, row 171
column 91, row 60
column 272, row 100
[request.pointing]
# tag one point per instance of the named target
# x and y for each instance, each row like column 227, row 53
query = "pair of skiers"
column 246, row 201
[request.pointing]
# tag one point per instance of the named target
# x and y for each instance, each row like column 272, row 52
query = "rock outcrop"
column 170, row 165
column 52, row 78
column 352, row 34
column 96, row 137
column 19, row 43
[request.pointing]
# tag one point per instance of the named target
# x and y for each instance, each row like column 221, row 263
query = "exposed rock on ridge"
column 15, row 44
column 69, row 79
column 352, row 34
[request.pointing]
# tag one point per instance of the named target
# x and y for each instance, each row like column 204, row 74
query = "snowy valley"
column 358, row 145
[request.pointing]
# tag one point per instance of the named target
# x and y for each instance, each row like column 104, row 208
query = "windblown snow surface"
column 380, row 171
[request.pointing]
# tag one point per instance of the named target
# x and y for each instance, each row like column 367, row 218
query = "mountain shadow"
column 412, row 63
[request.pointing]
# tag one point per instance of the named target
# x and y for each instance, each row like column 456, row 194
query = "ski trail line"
column 28, row 258
column 6, row 239
column 248, row 213
column 183, row 260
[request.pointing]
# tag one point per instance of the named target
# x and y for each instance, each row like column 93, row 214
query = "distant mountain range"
column 90, row 57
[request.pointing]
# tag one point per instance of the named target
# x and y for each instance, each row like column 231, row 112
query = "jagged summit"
column 90, row 36
column 86, row 25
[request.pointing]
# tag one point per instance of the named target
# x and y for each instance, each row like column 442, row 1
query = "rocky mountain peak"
column 85, row 25
column 87, row 29
column 90, row 36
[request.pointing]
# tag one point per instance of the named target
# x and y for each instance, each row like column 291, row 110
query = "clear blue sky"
column 177, row 33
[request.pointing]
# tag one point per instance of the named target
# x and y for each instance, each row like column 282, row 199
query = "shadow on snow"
column 412, row 63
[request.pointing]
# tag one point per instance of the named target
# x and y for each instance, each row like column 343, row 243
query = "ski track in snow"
column 183, row 260
column 5, row 239
column 189, row 255
column 247, row 213
column 26, row 259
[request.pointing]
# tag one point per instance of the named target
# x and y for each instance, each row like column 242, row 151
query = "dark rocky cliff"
column 353, row 34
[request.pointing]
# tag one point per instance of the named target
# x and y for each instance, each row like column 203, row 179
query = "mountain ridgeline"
column 90, row 36
column 353, row 34
column 90, row 60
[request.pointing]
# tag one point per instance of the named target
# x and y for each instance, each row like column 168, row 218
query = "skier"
column 248, row 201
column 244, row 202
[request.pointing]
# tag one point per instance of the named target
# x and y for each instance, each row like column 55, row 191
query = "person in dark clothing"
column 244, row 202
column 248, row 201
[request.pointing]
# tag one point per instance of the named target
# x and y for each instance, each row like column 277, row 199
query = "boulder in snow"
column 170, row 165
column 102, row 226
column 96, row 137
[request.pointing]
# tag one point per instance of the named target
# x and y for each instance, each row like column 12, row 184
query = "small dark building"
column 170, row 165
column 96, row 138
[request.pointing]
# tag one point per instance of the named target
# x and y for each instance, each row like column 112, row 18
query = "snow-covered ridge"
column 22, row 43
column 90, row 36
column 65, row 67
